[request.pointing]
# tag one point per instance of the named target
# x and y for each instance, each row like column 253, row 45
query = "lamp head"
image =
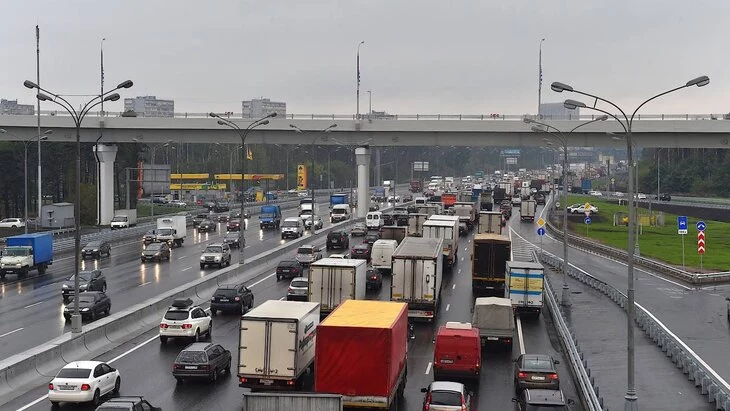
column 3, row 131
column 527, row 120
column 112, row 97
column 272, row 115
column 573, row 104
column 700, row 81
column 263, row 123
column 43, row 138
column 560, row 87
column 30, row 84
column 48, row 132
column 43, row 97
column 212, row 114
column 536, row 129
column 222, row 123
column 125, row 84
column 602, row 118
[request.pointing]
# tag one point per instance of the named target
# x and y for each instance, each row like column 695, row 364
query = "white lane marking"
column 34, row 304
column 186, row 268
column 448, row 306
column 459, row 271
column 11, row 332
column 143, row 284
column 453, row 287
column 519, row 336
column 180, row 258
column 428, row 368
column 262, row 280
column 282, row 298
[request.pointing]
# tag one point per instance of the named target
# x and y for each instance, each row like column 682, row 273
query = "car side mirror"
column 424, row 389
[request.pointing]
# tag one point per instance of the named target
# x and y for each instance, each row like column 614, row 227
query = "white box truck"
column 124, row 219
column 490, row 222
column 269, row 401
column 276, row 344
column 495, row 320
column 334, row 280
column 172, row 230
column 525, row 284
column 415, row 224
column 466, row 211
column 528, row 208
column 447, row 230
column 416, row 275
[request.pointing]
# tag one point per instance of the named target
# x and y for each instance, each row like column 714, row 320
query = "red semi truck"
column 416, row 186
column 362, row 353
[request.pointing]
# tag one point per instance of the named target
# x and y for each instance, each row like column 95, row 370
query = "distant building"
column 380, row 115
column 12, row 107
column 557, row 111
column 150, row 106
column 257, row 108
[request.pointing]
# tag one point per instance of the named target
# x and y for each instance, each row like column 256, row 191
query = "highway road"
column 145, row 364
column 31, row 310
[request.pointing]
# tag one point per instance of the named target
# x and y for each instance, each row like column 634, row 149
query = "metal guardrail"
column 697, row 370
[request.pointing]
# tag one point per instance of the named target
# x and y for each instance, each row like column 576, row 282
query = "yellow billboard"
column 197, row 186
column 301, row 177
column 191, row 176
column 254, row 177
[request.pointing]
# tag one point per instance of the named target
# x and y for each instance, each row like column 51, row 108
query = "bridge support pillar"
column 106, row 156
column 362, row 159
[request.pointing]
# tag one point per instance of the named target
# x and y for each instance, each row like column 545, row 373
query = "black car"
column 374, row 279
column 221, row 207
column 540, row 199
column 361, row 251
column 93, row 280
column 207, row 226
column 664, row 197
column 463, row 229
column 127, row 403
column 388, row 218
column 538, row 399
column 338, row 239
column 96, row 249
column 199, row 218
column 234, row 239
column 235, row 214
column 92, row 304
column 234, row 225
column 223, row 218
column 149, row 237
column 374, row 207
column 371, row 238
column 233, row 298
column 202, row 360
column 156, row 252
column 289, row 269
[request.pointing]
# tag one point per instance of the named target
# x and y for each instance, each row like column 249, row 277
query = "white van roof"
column 341, row 206
column 292, row 219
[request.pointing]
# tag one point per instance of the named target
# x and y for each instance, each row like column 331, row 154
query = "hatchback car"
column 93, row 280
column 373, row 279
column 234, row 239
column 206, row 226
column 127, row 403
column 92, row 304
column 233, row 298
column 199, row 218
column 536, row 399
column 446, row 396
column 156, row 252
column 288, row 269
column 536, row 371
column 95, row 249
column 361, row 251
column 185, row 320
column 298, row 289
column 371, row 238
column 359, row 229
column 149, row 237
column 84, row 381
column 307, row 254
column 337, row 239
column 202, row 360
column 223, row 218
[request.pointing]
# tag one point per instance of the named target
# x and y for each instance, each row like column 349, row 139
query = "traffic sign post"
column 682, row 224
column 541, row 232
column 701, row 240
column 540, row 223
column 587, row 221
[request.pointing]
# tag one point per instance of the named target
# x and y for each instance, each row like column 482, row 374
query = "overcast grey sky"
column 419, row 56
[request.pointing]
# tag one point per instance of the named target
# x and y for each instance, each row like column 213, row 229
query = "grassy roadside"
column 659, row 242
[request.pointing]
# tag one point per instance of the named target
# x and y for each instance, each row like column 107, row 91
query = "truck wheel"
column 23, row 272
column 2, row 275
column 42, row 269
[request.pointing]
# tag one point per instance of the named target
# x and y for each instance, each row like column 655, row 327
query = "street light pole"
column 78, row 117
column 563, row 140
column 243, row 133
column 370, row 103
column 357, row 116
column 631, row 398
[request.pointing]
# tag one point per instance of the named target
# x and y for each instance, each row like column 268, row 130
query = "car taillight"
column 463, row 404
column 243, row 379
column 553, row 376
column 290, row 382
column 374, row 277
column 427, row 403
column 278, row 269
column 237, row 299
column 186, row 326
column 508, row 341
column 288, row 290
column 163, row 325
column 212, row 298
column 50, row 386
column 85, row 387
column 521, row 375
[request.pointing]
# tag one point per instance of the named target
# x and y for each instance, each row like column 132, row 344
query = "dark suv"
column 233, row 298
column 664, row 197
column 338, row 239
column 204, row 360
column 127, row 403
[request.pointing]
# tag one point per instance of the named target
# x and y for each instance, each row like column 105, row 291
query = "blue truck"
column 586, row 185
column 27, row 252
column 339, row 198
column 270, row 216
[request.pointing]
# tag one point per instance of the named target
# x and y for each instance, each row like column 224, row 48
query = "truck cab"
column 26, row 252
column 270, row 216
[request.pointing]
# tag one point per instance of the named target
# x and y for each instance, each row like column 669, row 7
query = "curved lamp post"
column 560, row 137
column 78, row 117
column 243, row 133
column 311, row 172
column 626, row 123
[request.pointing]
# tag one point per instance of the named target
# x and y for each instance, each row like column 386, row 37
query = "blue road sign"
column 541, row 231
column 682, row 222
column 701, row 226
column 587, row 220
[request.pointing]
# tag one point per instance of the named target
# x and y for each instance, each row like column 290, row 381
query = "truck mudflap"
column 379, row 402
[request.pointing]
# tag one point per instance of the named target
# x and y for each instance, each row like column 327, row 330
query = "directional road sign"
column 541, row 231
column 682, row 224
column 701, row 226
column 587, row 220
column 540, row 222
column 701, row 242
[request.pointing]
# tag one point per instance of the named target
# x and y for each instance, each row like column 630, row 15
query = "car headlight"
column 202, row 258
column 83, row 286
column 65, row 309
column 64, row 286
column 217, row 259
column 157, row 254
column 84, row 309
column 142, row 254
column 95, row 250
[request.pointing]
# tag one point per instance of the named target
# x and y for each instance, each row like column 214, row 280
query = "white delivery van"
column 374, row 220
column 292, row 227
column 381, row 254
column 340, row 212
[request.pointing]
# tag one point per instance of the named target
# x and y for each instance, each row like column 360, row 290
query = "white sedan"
column 84, row 381
column 641, row 196
column 12, row 223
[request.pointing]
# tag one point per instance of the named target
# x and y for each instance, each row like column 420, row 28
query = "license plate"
column 284, row 271
column 335, row 241
column 223, row 300
column 492, row 339
column 447, row 361
column 174, row 326
column 266, row 382
column 191, row 367
column 537, row 378
column 66, row 387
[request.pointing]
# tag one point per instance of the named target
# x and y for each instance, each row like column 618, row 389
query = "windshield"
column 164, row 231
column 445, row 398
column 119, row 219
column 267, row 215
column 16, row 252
column 213, row 250
column 86, row 299
column 546, row 408
column 289, row 224
column 82, row 277
column 338, row 211
column 154, row 247
column 202, row 216
column 176, row 315
column 192, row 357
column 94, row 244
column 231, row 236
column 299, row 283
column 305, row 250
column 226, row 292
column 73, row 373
